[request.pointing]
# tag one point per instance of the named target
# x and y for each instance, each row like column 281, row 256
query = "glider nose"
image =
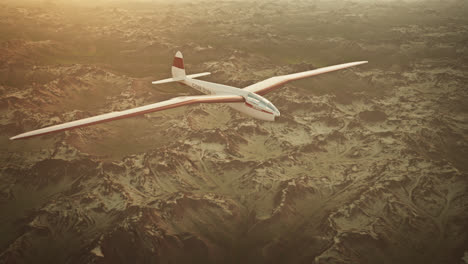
column 277, row 116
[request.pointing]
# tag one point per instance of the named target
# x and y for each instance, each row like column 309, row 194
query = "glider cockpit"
column 261, row 103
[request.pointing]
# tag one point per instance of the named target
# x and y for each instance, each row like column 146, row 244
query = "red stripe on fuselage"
column 251, row 106
column 178, row 63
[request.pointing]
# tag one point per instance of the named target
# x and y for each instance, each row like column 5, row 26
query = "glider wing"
column 171, row 103
column 272, row 83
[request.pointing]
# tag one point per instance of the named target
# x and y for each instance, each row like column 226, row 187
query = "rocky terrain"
column 366, row 165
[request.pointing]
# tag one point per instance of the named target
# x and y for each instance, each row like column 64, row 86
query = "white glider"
column 248, row 100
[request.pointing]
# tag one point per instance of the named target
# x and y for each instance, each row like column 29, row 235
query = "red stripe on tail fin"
column 178, row 63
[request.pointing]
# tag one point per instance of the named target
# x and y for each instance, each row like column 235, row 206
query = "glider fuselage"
column 255, row 105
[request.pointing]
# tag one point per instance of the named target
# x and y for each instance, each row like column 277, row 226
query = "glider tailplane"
column 191, row 76
column 178, row 71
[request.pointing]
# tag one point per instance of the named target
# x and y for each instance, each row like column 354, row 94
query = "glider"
column 248, row 100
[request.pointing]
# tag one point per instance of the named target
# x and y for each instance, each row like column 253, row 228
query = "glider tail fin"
column 178, row 70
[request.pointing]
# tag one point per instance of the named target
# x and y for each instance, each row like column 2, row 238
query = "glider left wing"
column 171, row 103
column 272, row 83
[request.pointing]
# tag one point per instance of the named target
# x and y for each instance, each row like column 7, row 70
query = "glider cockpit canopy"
column 261, row 102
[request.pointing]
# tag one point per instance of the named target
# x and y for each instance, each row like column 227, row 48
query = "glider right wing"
column 171, row 103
